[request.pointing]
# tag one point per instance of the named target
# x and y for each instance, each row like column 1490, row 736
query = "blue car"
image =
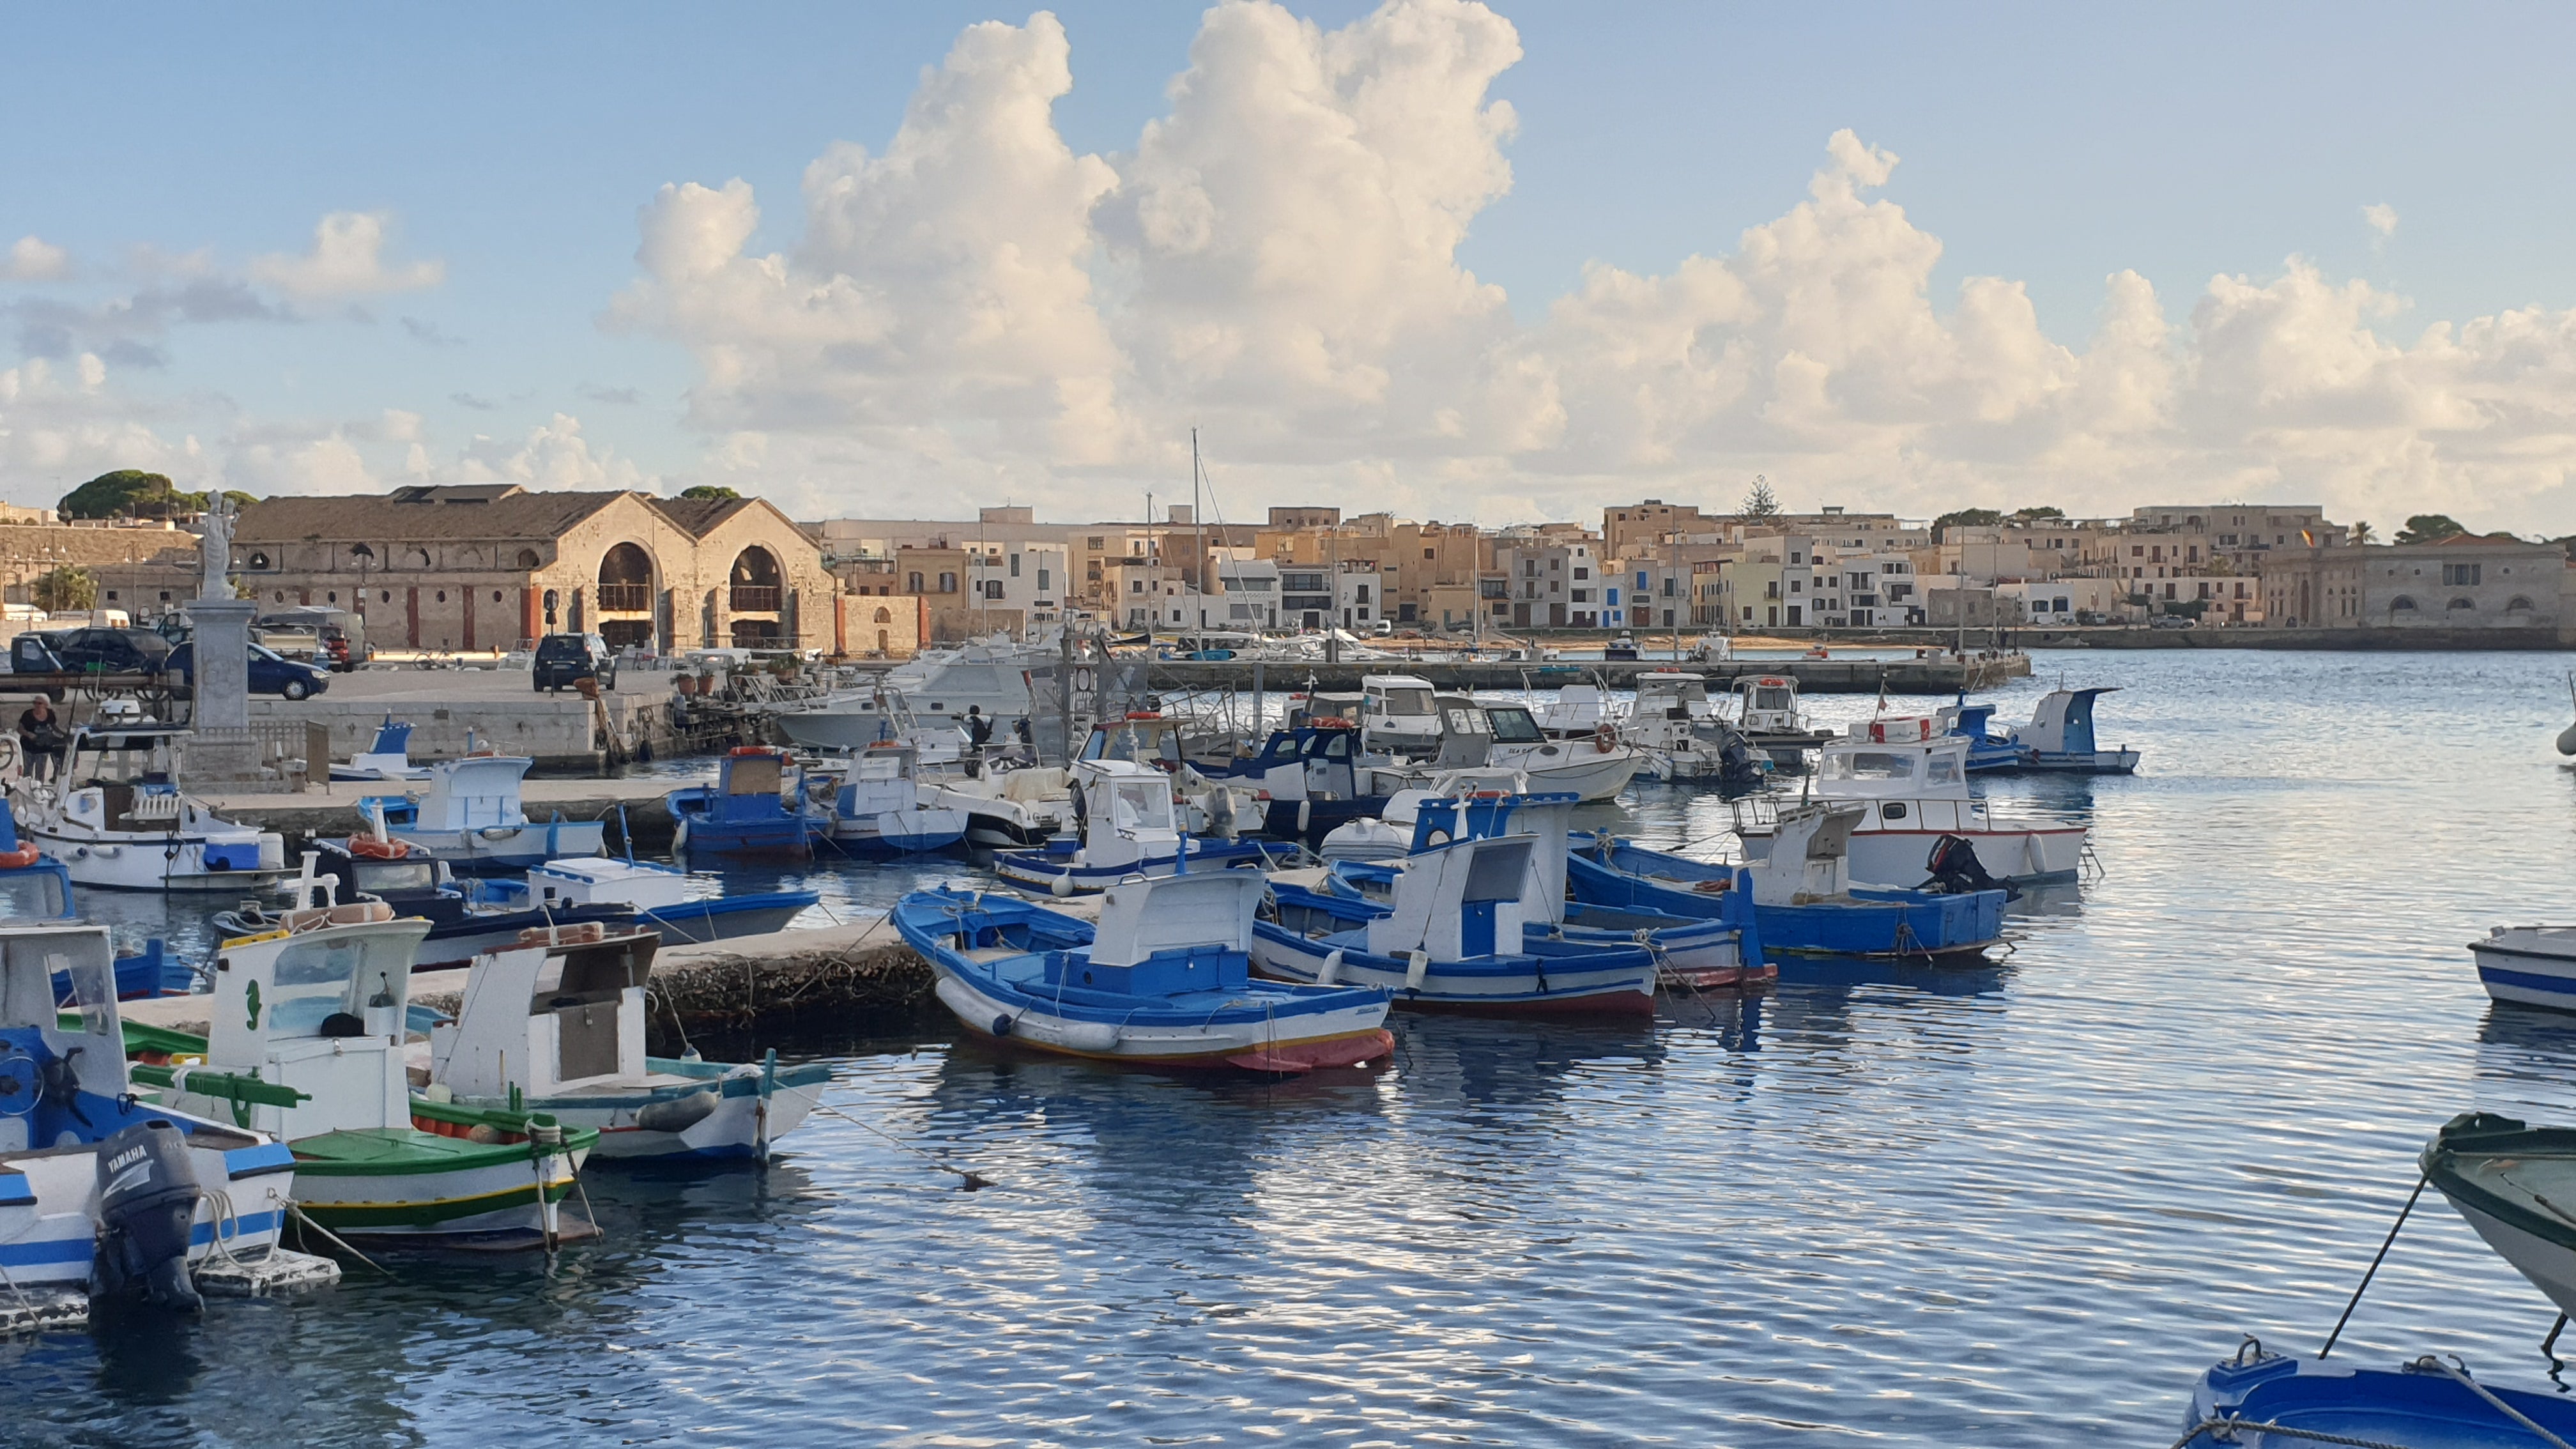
column 270, row 672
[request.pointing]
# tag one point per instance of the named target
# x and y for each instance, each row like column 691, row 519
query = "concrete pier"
column 1944, row 675
column 332, row 810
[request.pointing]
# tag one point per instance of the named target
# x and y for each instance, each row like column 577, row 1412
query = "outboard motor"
column 1956, row 871
column 147, row 1208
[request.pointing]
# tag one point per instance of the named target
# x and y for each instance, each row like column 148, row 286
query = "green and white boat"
column 318, row 1006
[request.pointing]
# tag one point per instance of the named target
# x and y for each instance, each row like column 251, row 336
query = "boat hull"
column 1341, row 1038
column 1588, row 983
column 1894, row 924
column 490, row 1196
column 725, row 918
column 49, row 1233
column 1897, row 858
column 899, row 832
column 495, row 848
column 151, row 863
column 751, row 1110
column 1049, row 872
column 2328, row 1402
column 2529, row 966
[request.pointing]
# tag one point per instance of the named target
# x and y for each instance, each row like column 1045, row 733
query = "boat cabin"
column 1399, row 714
column 1324, row 705
column 1810, row 857
column 1143, row 738
column 2060, row 734
column 1167, row 936
column 602, row 880
column 1128, row 814
column 317, row 1005
column 1909, row 777
column 478, row 792
column 1767, row 704
column 879, row 779
column 1457, row 901
column 54, row 1063
column 1578, row 709
column 561, row 1011
column 1673, row 695
column 1512, row 724
column 39, row 887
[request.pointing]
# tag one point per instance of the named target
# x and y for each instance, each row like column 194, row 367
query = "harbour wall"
column 1814, row 676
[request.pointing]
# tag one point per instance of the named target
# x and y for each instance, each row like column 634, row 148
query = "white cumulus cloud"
column 347, row 259
column 2382, row 218
column 33, row 259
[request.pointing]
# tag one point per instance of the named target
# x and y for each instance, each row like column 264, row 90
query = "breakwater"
column 1942, row 675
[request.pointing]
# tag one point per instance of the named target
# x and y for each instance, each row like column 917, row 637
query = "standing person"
column 979, row 733
column 40, row 740
column 1026, row 751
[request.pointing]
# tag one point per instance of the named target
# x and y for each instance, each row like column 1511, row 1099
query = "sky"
column 1464, row 262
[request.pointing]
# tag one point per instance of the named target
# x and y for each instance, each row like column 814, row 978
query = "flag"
column 2307, row 538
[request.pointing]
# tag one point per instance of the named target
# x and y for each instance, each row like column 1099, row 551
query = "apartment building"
column 1628, row 527
column 1775, row 582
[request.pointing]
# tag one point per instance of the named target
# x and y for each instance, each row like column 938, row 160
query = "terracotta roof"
column 502, row 511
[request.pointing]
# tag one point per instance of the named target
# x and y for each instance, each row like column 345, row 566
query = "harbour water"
column 2021, row 1205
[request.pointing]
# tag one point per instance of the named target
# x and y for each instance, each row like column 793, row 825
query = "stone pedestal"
column 221, row 750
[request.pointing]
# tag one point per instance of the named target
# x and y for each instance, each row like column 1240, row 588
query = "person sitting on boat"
column 41, row 740
column 979, row 733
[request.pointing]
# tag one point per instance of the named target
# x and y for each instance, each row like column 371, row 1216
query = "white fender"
column 1305, row 813
column 1420, row 966
column 1330, row 972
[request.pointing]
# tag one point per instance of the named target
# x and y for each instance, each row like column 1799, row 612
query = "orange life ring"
column 1144, row 714
column 370, row 848
column 1605, row 738
column 740, row 751
column 18, row 859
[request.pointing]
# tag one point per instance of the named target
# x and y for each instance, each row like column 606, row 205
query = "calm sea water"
column 2019, row 1205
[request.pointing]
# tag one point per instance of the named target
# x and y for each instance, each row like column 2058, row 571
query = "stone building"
column 2466, row 582
column 491, row 566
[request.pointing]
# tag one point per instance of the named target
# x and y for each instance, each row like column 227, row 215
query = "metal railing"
column 755, row 598
column 626, row 598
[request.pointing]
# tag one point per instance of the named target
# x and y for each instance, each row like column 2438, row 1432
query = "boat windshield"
column 34, row 896
column 1141, row 805
column 1410, row 703
column 1513, row 726
column 1774, row 698
column 1468, row 722
column 398, row 875
column 1870, row 765
column 1941, row 770
column 311, row 982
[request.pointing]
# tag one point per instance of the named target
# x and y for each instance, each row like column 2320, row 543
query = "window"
column 992, row 588
column 442, row 596
column 1042, row 581
column 2461, row 604
column 2519, row 604
column 1094, row 542
column 2401, row 604
column 947, row 583
column 1641, row 579
column 259, row 560
column 2457, row 574
column 914, row 585
column 1015, row 566
column 1428, row 553
column 527, row 558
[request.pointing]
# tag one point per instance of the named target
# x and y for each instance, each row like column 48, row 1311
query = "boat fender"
column 1002, row 1024
column 1061, row 886
column 1419, row 966
column 147, row 1204
column 676, row 1114
column 1330, row 973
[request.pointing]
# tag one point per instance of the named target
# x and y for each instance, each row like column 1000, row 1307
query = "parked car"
column 88, row 651
column 2171, row 621
column 270, row 672
column 565, row 658
column 332, row 637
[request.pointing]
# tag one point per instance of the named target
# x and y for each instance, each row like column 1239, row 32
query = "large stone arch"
column 628, row 581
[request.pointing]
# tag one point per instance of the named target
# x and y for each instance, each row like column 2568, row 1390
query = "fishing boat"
column 1452, row 933
column 2061, row 737
column 317, row 1005
column 94, row 1179
column 1398, row 717
column 1910, row 782
column 2257, row 1399
column 1697, row 953
column 466, row 917
column 556, row 1025
column 1766, row 710
column 1683, row 736
column 1803, row 897
column 1130, row 827
column 2528, row 965
column 473, row 816
column 681, row 907
column 1987, row 751
column 2514, row 1185
column 1163, row 979
column 1393, row 832
column 757, row 806
column 877, row 809
column 387, row 758
column 121, row 822
column 1005, row 808
column 1594, row 766
column 1311, row 779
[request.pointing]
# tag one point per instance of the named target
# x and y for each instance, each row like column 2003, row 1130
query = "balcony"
column 626, row 598
column 753, row 598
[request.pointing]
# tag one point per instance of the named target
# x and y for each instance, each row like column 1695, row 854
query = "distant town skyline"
column 1485, row 265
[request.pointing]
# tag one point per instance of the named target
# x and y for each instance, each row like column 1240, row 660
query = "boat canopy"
column 1210, row 911
column 1860, row 769
column 475, row 793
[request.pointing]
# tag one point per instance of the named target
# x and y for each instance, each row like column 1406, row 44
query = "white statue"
column 215, row 548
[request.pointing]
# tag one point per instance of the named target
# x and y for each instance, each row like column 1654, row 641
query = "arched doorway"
column 755, row 592
column 626, row 596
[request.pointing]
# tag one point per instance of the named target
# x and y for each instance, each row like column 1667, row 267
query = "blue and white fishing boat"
column 1690, row 952
column 1453, row 931
column 119, row 821
column 1910, row 783
column 556, row 1025
column 466, row 917
column 877, row 809
column 1163, row 980
column 2061, row 737
column 1312, row 780
column 473, row 817
column 1130, row 827
column 2256, row 1399
column 91, row 1177
column 388, row 758
column 1987, row 751
column 757, row 806
column 1803, row 897
column 684, row 908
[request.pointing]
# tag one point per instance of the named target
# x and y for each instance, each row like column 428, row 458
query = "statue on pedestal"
column 215, row 548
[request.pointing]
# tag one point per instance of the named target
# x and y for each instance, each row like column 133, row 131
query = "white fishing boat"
column 876, row 804
column 2528, row 965
column 1912, row 784
column 1398, row 716
column 2061, row 737
column 473, row 816
column 1768, row 714
column 1130, row 827
column 556, row 1025
column 934, row 691
column 1684, row 736
column 118, row 820
column 1004, row 809
column 1592, row 767
column 388, row 757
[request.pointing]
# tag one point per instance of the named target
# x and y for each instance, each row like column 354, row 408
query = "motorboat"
column 1390, row 834
column 1004, row 808
column 1593, row 767
column 1130, row 827
column 556, row 1025
column 1684, row 736
column 388, row 757
column 938, row 688
column 2257, row 1399
column 120, row 821
column 1162, row 980
column 1804, row 900
column 1694, row 953
column 472, row 815
column 1452, row 933
column 1910, row 782
column 1577, row 709
column 466, row 917
column 101, row 1189
column 2061, row 737
column 1311, row 780
column 316, row 1004
column 1397, row 713
column 2528, row 965
column 876, row 805
column 1766, row 710
column 756, row 807
column 682, row 907
column 2513, row 1184
column 1987, row 750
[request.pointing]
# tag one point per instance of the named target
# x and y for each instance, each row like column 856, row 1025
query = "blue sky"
column 2050, row 146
